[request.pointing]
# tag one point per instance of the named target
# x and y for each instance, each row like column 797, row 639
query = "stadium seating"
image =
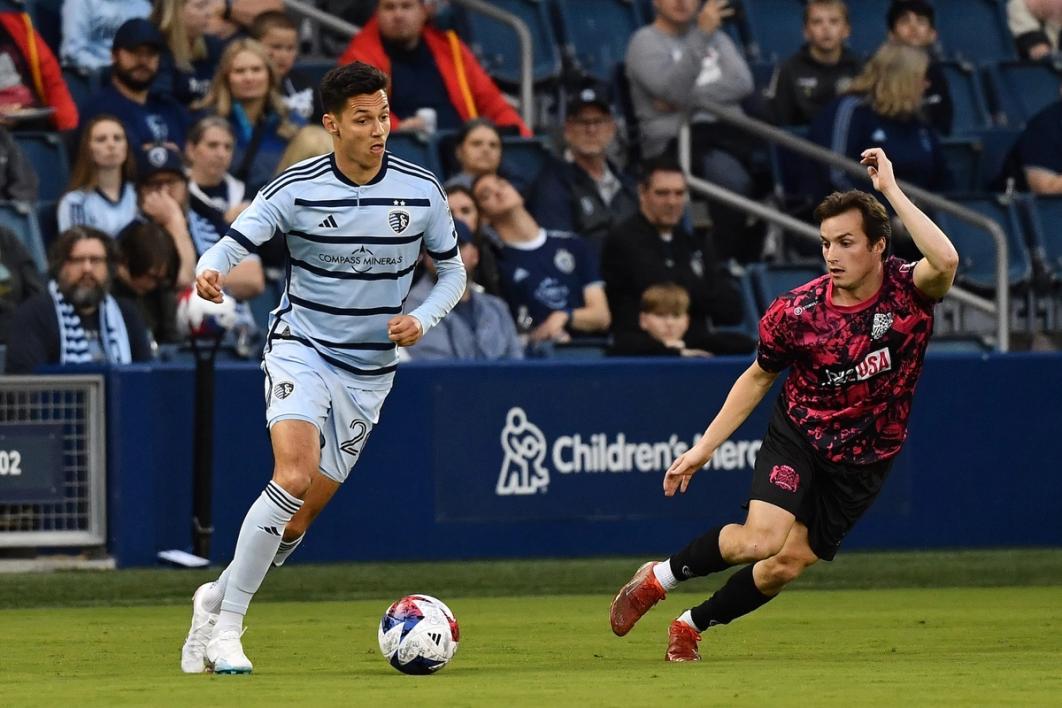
column 1021, row 90
column 47, row 154
column 867, row 18
column 770, row 280
column 315, row 69
column 967, row 97
column 48, row 20
column 996, row 145
column 963, row 157
column 1045, row 225
column 524, row 157
column 83, row 84
column 496, row 45
column 595, row 33
column 776, row 26
column 975, row 30
column 48, row 221
column 415, row 148
column 21, row 218
column 977, row 250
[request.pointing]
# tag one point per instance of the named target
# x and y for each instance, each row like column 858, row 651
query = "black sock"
column 738, row 597
column 700, row 557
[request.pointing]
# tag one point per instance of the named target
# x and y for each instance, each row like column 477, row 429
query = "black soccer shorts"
column 827, row 497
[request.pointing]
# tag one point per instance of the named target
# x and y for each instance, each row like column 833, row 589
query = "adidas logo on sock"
column 270, row 529
column 329, row 223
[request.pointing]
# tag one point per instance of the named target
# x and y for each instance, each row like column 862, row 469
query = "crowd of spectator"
column 202, row 103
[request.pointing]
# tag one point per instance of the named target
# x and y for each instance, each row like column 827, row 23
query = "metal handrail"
column 523, row 36
column 336, row 24
column 1001, row 307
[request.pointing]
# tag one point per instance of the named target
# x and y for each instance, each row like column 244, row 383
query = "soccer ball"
column 418, row 634
column 197, row 317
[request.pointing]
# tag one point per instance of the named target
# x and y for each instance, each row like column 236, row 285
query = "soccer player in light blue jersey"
column 354, row 222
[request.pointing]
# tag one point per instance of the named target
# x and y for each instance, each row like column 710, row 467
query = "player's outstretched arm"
column 744, row 396
column 935, row 273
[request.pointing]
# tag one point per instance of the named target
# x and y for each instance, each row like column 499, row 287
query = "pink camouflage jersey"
column 854, row 368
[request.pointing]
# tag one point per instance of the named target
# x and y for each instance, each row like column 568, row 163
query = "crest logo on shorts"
column 398, row 219
column 882, row 324
column 283, row 389
column 785, row 477
column 353, row 446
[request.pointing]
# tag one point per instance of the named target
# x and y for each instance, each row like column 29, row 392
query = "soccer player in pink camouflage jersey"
column 855, row 340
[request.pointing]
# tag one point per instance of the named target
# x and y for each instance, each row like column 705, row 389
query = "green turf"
column 957, row 646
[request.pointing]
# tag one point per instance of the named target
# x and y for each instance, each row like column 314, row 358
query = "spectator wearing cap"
column 584, row 192
column 77, row 320
column 89, row 27
column 149, row 119
column 479, row 327
column 428, row 68
column 32, row 79
column 913, row 23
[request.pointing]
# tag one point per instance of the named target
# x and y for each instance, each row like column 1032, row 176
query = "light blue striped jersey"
column 352, row 251
column 91, row 207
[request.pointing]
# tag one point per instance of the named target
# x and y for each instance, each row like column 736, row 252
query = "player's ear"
column 330, row 124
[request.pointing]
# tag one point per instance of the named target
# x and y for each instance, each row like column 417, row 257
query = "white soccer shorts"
column 299, row 385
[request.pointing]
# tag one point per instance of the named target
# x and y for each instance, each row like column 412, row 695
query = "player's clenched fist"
column 208, row 285
column 678, row 475
column 404, row 330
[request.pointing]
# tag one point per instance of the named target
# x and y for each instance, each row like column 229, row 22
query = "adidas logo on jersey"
column 329, row 223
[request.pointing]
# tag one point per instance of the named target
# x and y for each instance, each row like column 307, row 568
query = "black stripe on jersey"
column 293, row 171
column 342, row 364
column 301, row 177
column 364, row 346
column 348, row 311
column 444, row 255
column 386, row 240
column 422, row 176
column 351, row 275
column 241, row 239
column 374, row 201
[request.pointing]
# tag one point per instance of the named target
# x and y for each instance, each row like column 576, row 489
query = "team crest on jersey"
column 697, row 264
column 283, row 389
column 564, row 260
column 398, row 219
column 882, row 324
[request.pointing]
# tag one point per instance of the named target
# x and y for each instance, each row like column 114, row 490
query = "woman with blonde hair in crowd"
column 190, row 59
column 245, row 93
column 310, row 141
column 882, row 108
column 102, row 193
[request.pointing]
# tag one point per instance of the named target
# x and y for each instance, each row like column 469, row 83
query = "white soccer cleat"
column 225, row 653
column 193, row 653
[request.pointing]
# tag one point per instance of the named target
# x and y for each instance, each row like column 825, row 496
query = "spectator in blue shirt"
column 148, row 119
column 548, row 278
column 89, row 27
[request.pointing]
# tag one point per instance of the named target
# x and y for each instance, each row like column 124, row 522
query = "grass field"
column 943, row 628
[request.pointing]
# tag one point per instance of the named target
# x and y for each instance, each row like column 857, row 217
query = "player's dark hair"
column 875, row 219
column 664, row 163
column 272, row 19
column 345, row 82
column 825, row 3
column 899, row 8
column 64, row 244
column 144, row 246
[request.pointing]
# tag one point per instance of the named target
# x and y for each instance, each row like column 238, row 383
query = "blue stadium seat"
column 47, row 154
column 595, row 32
column 496, row 46
column 977, row 250
column 22, row 220
column 769, row 281
column 967, row 97
column 867, row 18
column 523, row 158
column 315, row 68
column 996, row 146
column 963, row 157
column 1021, row 90
column 975, row 30
column 776, row 27
column 1045, row 220
column 750, row 323
column 83, row 84
column 48, row 221
column 412, row 147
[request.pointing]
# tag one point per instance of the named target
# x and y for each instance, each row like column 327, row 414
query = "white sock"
column 687, row 617
column 260, row 537
column 662, row 571
column 216, row 593
column 286, row 549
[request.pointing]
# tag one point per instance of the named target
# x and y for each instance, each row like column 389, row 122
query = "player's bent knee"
column 294, row 480
column 762, row 543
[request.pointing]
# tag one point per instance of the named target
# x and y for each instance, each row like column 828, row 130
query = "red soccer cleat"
column 682, row 642
column 635, row 599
